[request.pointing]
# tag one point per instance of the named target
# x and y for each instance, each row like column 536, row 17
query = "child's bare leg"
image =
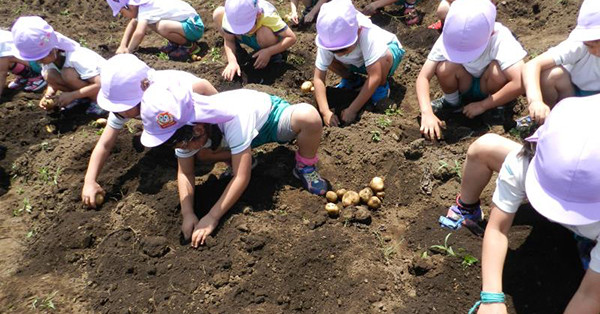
column 55, row 81
column 72, row 79
column 306, row 123
column 265, row 37
column 493, row 79
column 484, row 157
column 339, row 69
column 556, row 85
column 388, row 61
column 218, row 14
column 442, row 10
column 453, row 77
column 171, row 30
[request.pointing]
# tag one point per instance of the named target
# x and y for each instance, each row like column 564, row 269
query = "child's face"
column 130, row 114
column 129, row 12
column 345, row 51
column 51, row 57
column 593, row 47
column 199, row 140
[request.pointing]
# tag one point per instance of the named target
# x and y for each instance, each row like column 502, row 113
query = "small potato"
column 50, row 128
column 377, row 184
column 99, row 199
column 381, row 195
column 340, row 193
column 101, row 122
column 374, row 202
column 48, row 103
column 332, row 209
column 350, row 198
column 307, row 87
column 365, row 194
column 331, row 196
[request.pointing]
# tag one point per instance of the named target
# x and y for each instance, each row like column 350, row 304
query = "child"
column 124, row 78
column 474, row 59
column 441, row 12
column 25, row 75
column 563, row 187
column 410, row 14
column 174, row 20
column 256, row 24
column 349, row 44
column 570, row 69
column 66, row 66
column 311, row 9
column 173, row 117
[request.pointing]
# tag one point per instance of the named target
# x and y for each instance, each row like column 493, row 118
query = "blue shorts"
column 250, row 41
column 397, row 55
column 474, row 92
column 270, row 130
column 584, row 93
column 193, row 28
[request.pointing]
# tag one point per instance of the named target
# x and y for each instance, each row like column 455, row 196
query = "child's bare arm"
column 4, row 65
column 372, row 7
column 374, row 73
column 264, row 55
column 204, row 87
column 232, row 67
column 538, row 109
column 127, row 36
column 329, row 117
column 185, row 185
column 89, row 91
column 314, row 11
column 431, row 126
column 97, row 159
column 294, row 11
column 138, row 35
column 587, row 297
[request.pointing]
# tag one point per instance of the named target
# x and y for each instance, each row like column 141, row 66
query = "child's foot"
column 169, row 47
column 34, row 84
column 17, row 83
column 94, row 109
column 459, row 215
column 184, row 52
column 311, row 180
column 350, row 83
column 382, row 92
column 411, row 16
column 441, row 104
column 76, row 102
column 437, row 25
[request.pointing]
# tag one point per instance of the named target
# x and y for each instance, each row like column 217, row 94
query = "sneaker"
column 494, row 116
column 228, row 173
column 184, row 52
column 276, row 58
column 458, row 216
column 440, row 104
column 436, row 26
column 584, row 248
column 35, row 84
column 169, row 47
column 94, row 109
column 76, row 102
column 351, row 83
column 411, row 15
column 382, row 92
column 311, row 180
column 17, row 83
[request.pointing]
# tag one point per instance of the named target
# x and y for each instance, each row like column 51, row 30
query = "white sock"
column 452, row 98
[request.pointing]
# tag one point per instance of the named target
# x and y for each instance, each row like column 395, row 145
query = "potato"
column 377, row 184
column 50, row 128
column 365, row 194
column 48, row 103
column 307, row 87
column 340, row 193
column 101, row 122
column 332, row 209
column 381, row 195
column 374, row 202
column 99, row 199
column 331, row 196
column 350, row 198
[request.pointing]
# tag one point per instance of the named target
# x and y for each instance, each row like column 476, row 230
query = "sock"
column 452, row 98
column 409, row 5
column 467, row 207
column 302, row 162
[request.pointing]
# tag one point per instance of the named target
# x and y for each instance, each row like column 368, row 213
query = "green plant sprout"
column 83, row 42
column 65, row 12
column 44, row 146
column 444, row 248
column 44, row 303
column 29, row 234
column 469, row 260
column 56, row 175
column 393, row 112
column 163, row 56
column 376, row 136
column 214, row 54
column 99, row 131
column 44, row 174
column 456, row 168
column 387, row 251
column 384, row 122
column 26, row 208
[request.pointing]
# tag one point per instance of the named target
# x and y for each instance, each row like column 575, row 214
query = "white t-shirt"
column 251, row 114
column 510, row 193
column 164, row 76
column 503, row 47
column 86, row 62
column 7, row 46
column 584, row 67
column 372, row 44
column 172, row 10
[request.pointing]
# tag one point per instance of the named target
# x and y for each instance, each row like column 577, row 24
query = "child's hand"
column 88, row 194
column 65, row 98
column 231, row 70
column 309, row 17
column 474, row 109
column 263, row 57
column 348, row 115
column 121, row 50
column 294, row 18
column 538, row 111
column 187, row 226
column 492, row 308
column 331, row 119
column 203, row 229
column 370, row 9
column 431, row 127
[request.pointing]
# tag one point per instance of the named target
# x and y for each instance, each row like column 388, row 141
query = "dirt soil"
column 276, row 251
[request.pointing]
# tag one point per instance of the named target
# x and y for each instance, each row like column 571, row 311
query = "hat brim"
column 462, row 57
column 238, row 29
column 112, row 106
column 320, row 44
column 557, row 209
column 153, row 140
column 37, row 57
column 585, row 34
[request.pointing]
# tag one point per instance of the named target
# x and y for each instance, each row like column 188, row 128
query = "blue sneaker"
column 441, row 105
column 94, row 109
column 311, row 180
column 458, row 216
column 382, row 92
column 351, row 83
column 584, row 248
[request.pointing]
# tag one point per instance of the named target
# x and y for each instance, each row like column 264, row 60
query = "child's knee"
column 265, row 37
column 446, row 69
column 218, row 15
column 555, row 77
column 307, row 117
column 70, row 76
column 483, row 146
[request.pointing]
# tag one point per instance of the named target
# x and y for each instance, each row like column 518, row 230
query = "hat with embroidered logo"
column 467, row 30
column 588, row 22
column 337, row 25
column 563, row 180
column 34, row 39
column 240, row 15
column 121, row 82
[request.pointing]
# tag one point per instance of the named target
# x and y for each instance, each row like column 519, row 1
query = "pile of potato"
column 371, row 195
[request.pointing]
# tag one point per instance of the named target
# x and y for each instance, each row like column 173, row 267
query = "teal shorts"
column 35, row 67
column 584, row 93
column 193, row 28
column 397, row 55
column 474, row 92
column 269, row 132
column 250, row 41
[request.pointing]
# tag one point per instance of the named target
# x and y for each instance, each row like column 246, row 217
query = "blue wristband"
column 488, row 297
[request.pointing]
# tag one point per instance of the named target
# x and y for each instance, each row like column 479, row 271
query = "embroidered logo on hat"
column 44, row 39
column 165, row 120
